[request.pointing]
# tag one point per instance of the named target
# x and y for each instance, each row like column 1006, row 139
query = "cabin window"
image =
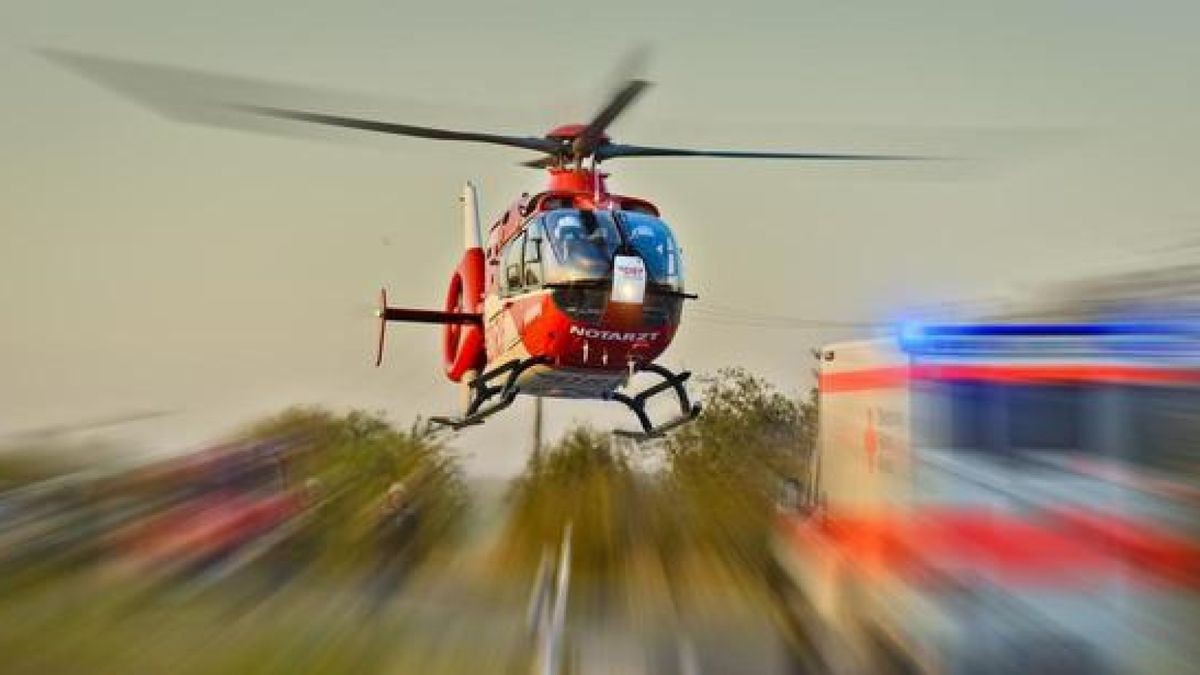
column 533, row 256
column 555, row 203
column 514, row 264
column 638, row 207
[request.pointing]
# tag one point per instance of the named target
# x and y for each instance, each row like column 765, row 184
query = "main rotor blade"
column 526, row 142
column 196, row 96
column 585, row 143
column 628, row 85
column 543, row 162
column 618, row 150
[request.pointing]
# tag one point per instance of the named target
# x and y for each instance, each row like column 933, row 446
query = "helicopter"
column 571, row 292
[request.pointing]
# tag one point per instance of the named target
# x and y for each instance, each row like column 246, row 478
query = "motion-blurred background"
column 171, row 293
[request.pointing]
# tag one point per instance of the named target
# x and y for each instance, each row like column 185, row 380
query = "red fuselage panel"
column 544, row 329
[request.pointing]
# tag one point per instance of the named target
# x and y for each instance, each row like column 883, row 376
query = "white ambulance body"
column 1006, row 498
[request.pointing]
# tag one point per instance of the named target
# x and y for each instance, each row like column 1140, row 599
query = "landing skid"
column 479, row 409
column 487, row 399
column 688, row 410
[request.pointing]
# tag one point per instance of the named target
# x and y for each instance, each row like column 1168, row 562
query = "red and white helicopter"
column 569, row 293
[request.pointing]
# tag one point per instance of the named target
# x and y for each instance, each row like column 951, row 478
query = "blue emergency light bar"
column 1164, row 338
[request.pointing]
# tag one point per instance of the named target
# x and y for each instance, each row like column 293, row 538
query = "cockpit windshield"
column 582, row 234
column 584, row 243
column 655, row 244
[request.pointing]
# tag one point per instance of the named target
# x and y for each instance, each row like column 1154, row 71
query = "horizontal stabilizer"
column 386, row 314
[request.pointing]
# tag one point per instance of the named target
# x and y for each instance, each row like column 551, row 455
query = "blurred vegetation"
column 707, row 509
column 28, row 461
column 586, row 480
column 654, row 527
column 77, row 597
column 350, row 461
column 724, row 473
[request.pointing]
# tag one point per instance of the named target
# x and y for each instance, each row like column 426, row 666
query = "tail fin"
column 472, row 237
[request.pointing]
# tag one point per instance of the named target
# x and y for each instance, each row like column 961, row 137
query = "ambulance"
column 995, row 498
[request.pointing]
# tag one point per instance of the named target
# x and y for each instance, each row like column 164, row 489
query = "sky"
column 222, row 275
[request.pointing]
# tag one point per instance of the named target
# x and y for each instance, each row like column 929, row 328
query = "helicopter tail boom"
column 428, row 316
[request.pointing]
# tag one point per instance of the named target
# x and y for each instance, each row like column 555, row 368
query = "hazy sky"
column 146, row 264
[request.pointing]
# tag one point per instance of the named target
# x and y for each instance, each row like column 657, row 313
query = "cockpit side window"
column 514, row 264
column 533, row 256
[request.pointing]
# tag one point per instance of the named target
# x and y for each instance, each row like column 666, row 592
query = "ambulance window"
column 967, row 404
column 1166, row 424
column 1044, row 417
column 514, row 254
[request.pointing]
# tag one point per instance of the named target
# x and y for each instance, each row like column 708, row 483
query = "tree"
column 585, row 481
column 351, row 460
column 725, row 471
column 711, row 502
